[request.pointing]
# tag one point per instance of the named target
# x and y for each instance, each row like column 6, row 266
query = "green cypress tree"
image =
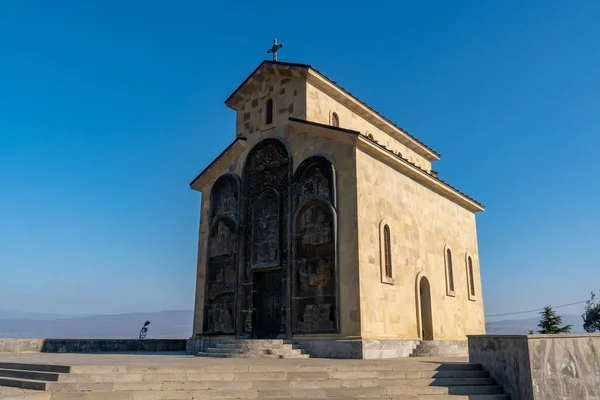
column 551, row 323
column 591, row 316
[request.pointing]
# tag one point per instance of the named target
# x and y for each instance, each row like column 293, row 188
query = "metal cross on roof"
column 274, row 49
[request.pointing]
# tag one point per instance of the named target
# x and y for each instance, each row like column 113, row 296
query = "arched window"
column 335, row 120
column 449, row 273
column 269, row 112
column 387, row 251
column 471, row 279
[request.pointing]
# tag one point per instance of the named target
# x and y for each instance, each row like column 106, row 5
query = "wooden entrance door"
column 269, row 301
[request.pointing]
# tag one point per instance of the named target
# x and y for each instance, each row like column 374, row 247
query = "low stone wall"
column 541, row 367
column 90, row 345
column 506, row 358
column 21, row 345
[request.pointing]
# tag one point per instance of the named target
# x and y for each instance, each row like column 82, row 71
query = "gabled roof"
column 251, row 83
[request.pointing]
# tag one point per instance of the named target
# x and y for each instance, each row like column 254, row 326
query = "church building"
column 323, row 223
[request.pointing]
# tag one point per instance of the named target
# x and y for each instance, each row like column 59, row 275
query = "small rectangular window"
column 269, row 112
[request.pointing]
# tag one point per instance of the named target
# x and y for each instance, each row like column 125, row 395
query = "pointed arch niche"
column 263, row 272
column 314, row 273
column 221, row 260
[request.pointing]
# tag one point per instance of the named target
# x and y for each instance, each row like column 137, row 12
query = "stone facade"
column 292, row 215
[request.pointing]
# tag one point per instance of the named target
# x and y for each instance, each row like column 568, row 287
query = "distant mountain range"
column 174, row 324
column 522, row 326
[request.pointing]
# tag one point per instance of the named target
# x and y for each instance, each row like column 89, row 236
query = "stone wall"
column 90, row 345
column 506, row 358
column 541, row 367
column 423, row 225
column 320, row 106
column 289, row 100
column 301, row 146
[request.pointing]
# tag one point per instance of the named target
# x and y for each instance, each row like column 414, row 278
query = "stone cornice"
column 219, row 164
column 326, row 131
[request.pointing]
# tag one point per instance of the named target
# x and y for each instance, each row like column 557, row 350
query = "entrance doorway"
column 426, row 317
column 268, row 300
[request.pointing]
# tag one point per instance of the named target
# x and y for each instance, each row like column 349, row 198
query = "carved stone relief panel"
column 225, row 198
column 265, row 225
column 221, row 262
column 314, row 181
column 266, row 187
column 314, row 302
column 221, row 279
column 314, row 278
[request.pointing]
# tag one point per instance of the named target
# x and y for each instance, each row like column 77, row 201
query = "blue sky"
column 109, row 109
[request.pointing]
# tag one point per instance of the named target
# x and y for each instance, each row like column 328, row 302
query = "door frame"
column 256, row 292
column 419, row 308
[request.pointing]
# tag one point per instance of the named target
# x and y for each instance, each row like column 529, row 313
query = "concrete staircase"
column 252, row 379
column 253, row 349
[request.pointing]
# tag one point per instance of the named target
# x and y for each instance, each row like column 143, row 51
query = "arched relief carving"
column 314, row 273
column 266, row 217
column 224, row 198
column 314, row 180
column 266, row 179
column 221, row 261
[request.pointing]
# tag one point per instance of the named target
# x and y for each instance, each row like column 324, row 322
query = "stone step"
column 252, row 345
column 342, row 393
column 23, row 383
column 357, row 383
column 219, row 395
column 251, row 355
column 19, row 373
column 36, row 367
column 262, row 342
column 9, row 393
column 409, row 367
column 246, row 350
column 191, row 376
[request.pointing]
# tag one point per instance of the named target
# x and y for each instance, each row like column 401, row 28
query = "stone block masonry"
column 541, row 367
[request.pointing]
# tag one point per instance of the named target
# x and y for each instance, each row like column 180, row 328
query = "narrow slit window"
column 450, row 270
column 387, row 249
column 471, row 281
column 269, row 112
column 335, row 120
